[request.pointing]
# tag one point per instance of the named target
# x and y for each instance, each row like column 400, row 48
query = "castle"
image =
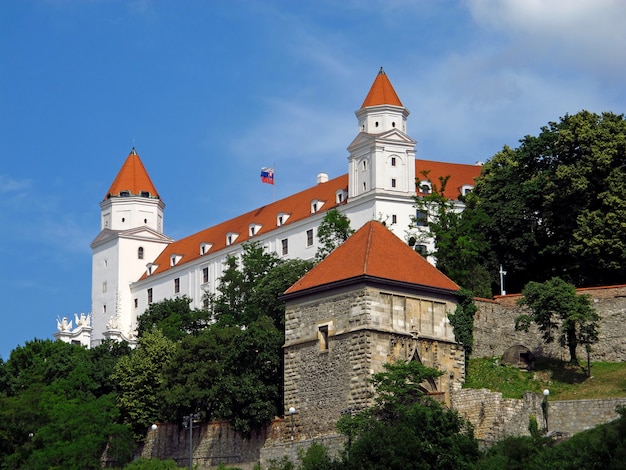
column 135, row 263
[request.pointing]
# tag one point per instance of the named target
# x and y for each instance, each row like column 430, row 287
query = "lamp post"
column 292, row 411
column 544, row 406
column 188, row 422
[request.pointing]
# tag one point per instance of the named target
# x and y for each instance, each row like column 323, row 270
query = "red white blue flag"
column 267, row 175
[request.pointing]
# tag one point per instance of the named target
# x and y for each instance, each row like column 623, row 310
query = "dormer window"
column 124, row 193
column 231, row 237
column 466, row 189
column 281, row 218
column 205, row 247
column 174, row 259
column 425, row 187
column 151, row 268
column 340, row 196
column 253, row 229
column 145, row 194
column 316, row 205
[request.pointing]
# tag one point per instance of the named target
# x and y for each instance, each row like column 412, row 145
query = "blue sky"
column 208, row 92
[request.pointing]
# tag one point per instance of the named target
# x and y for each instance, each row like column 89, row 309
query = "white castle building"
column 135, row 263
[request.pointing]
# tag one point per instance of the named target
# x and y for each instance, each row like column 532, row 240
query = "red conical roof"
column 133, row 178
column 381, row 92
column 374, row 251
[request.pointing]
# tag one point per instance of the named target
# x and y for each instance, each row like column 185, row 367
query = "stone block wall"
column 494, row 327
column 495, row 418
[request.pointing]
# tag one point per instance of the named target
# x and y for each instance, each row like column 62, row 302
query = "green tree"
column 461, row 250
column 406, row 429
column 174, row 317
column 555, row 205
column 332, row 232
column 557, row 309
column 139, row 379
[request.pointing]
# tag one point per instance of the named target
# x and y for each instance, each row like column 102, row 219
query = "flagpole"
column 274, row 185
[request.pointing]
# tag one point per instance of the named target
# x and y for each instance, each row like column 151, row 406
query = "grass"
column 565, row 381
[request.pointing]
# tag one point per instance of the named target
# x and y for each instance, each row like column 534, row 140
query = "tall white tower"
column 131, row 236
column 382, row 157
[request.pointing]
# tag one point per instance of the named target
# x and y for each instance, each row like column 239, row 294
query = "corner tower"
column 131, row 236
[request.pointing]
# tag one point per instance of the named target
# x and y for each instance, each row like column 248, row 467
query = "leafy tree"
column 332, row 232
column 60, row 409
column 139, row 379
column 406, row 429
column 238, row 284
column 556, row 308
column 461, row 250
column 174, row 317
column 462, row 321
column 555, row 205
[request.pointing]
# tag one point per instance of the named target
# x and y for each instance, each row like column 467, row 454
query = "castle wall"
column 494, row 327
column 336, row 341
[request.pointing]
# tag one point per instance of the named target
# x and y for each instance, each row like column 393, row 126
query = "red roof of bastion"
column 374, row 251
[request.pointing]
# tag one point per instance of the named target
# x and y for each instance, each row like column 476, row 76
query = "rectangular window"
column 205, row 275
column 309, row 237
column 393, row 161
column 176, row 285
column 394, row 219
column 393, row 182
column 421, row 218
column 150, row 295
column 285, row 244
column 323, row 337
column 104, row 286
column 136, row 303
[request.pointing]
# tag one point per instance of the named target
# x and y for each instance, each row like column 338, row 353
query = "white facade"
column 135, row 264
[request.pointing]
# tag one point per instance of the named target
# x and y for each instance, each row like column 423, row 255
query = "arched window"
column 140, row 252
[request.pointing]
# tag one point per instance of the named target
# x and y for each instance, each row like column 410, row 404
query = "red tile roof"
column 381, row 92
column 374, row 252
column 298, row 206
column 133, row 178
column 460, row 174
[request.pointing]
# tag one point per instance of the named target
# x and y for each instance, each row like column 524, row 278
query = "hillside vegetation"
column 564, row 380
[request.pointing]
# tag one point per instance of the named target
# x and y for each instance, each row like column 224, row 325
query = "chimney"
column 322, row 178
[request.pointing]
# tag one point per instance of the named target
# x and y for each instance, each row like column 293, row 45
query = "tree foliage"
column 57, row 408
column 173, row 317
column 559, row 311
column 460, row 246
column 332, row 232
column 406, row 429
column 555, row 206
column 462, row 321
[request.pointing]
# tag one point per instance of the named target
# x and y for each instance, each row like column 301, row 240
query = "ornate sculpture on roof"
column 83, row 320
column 63, row 324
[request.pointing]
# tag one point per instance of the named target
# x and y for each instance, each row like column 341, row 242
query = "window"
column 393, row 182
column 150, row 295
column 205, row 275
column 314, row 207
column 425, row 187
column 104, row 308
column 394, row 219
column 140, row 252
column 204, row 248
column 309, row 237
column 323, row 337
column 364, row 165
column 136, row 303
column 104, row 287
column 364, row 186
column 421, row 218
column 145, row 194
column 285, row 244
column 176, row 285
column 393, row 161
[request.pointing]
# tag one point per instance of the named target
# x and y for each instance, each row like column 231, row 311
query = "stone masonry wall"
column 494, row 327
column 495, row 418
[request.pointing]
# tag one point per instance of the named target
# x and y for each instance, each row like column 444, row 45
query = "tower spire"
column 381, row 92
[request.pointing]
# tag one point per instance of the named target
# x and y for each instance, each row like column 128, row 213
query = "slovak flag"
column 267, row 175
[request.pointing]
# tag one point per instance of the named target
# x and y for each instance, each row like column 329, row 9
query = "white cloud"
column 11, row 185
column 586, row 34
